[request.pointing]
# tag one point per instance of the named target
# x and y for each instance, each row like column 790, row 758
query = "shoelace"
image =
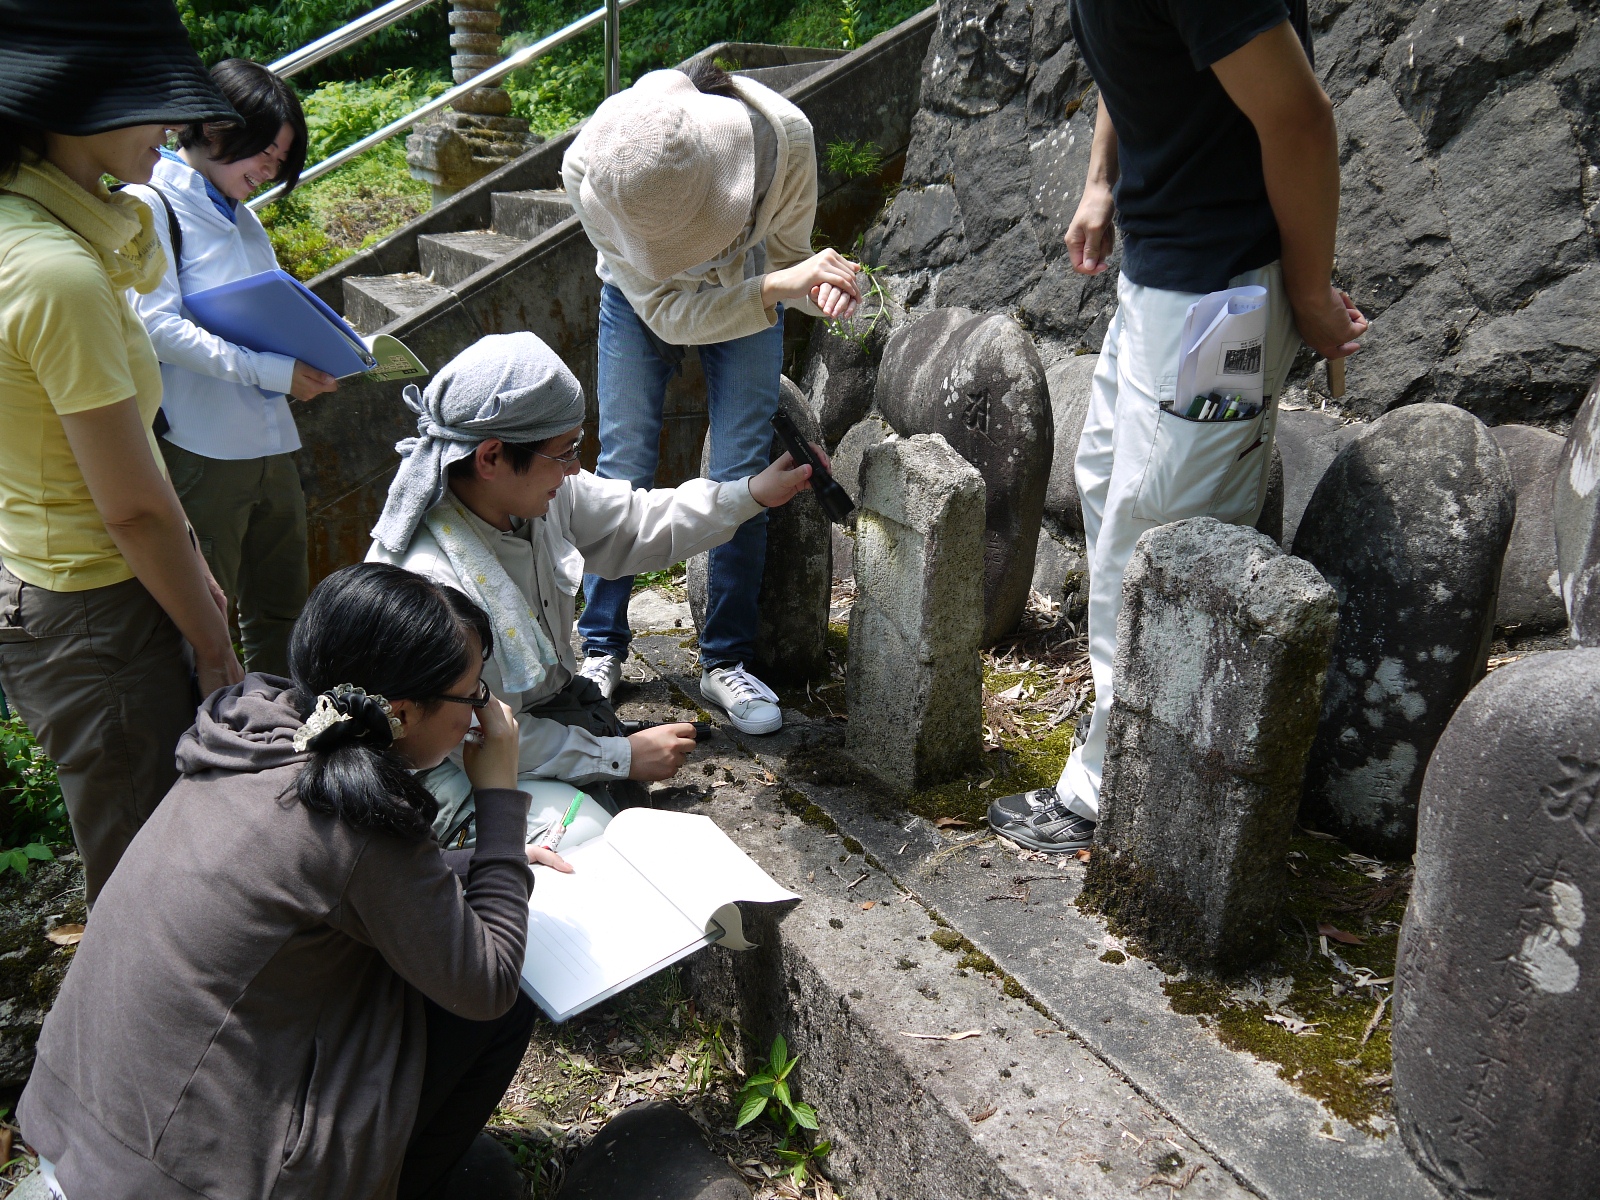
column 744, row 685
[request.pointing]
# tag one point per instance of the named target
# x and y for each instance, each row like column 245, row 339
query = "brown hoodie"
column 244, row 1015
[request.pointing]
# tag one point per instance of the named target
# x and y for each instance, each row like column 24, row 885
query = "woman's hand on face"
column 783, row 481
column 309, row 382
column 538, row 856
column 659, row 752
column 492, row 763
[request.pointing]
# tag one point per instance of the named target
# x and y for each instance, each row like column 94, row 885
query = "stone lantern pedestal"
column 478, row 133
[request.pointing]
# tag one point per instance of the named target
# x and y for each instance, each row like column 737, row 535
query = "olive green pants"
column 250, row 517
column 103, row 679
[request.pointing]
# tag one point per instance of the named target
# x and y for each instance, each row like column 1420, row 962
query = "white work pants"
column 1139, row 467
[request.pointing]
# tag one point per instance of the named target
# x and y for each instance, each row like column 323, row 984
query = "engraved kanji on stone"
column 1575, row 797
column 976, row 414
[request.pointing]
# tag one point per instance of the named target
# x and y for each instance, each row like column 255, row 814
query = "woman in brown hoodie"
column 286, row 989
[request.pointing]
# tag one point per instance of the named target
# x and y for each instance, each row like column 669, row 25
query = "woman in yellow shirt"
column 102, row 585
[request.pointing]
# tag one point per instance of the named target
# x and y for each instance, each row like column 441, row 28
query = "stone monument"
column 1577, row 522
column 1222, row 649
column 1497, row 988
column 915, row 684
column 1530, row 589
column 480, row 134
column 1409, row 524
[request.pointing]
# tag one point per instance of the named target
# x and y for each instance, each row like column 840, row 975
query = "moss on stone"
column 1113, row 957
column 976, row 960
column 1329, row 1062
column 1020, row 765
column 852, row 845
column 683, row 700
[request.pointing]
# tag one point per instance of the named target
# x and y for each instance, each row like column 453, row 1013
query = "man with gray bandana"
column 490, row 500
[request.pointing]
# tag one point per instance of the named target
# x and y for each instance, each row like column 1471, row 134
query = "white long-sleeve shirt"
column 221, row 400
column 605, row 527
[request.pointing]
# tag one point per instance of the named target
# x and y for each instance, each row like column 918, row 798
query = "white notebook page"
column 597, row 929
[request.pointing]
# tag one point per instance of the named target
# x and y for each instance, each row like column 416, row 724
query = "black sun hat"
column 85, row 66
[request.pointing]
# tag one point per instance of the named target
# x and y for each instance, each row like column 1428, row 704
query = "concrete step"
column 372, row 301
column 781, row 78
column 528, row 214
column 900, row 925
column 448, row 258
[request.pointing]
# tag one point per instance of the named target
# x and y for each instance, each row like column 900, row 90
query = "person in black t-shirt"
column 1215, row 151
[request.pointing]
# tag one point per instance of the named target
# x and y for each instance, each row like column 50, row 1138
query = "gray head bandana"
column 509, row 386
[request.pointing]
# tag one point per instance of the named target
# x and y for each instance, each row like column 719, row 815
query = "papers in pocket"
column 1223, row 343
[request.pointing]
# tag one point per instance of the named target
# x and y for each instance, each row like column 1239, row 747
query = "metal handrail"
column 330, row 44
column 493, row 75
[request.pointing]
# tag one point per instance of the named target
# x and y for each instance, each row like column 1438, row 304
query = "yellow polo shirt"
column 69, row 343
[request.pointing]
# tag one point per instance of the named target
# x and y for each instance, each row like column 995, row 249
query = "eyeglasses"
column 569, row 459
column 477, row 700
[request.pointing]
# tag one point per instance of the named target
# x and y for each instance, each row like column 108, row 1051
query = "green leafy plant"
column 854, row 160
column 850, row 22
column 767, row 1091
column 33, row 822
column 874, row 301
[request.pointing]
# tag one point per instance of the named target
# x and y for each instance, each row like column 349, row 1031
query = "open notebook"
column 653, row 888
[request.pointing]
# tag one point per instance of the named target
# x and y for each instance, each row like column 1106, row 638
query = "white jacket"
column 221, row 400
column 701, row 310
column 605, row 527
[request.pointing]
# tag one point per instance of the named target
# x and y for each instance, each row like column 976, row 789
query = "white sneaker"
column 751, row 705
column 604, row 670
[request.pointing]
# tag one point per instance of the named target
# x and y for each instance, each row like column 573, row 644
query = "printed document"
column 1221, row 349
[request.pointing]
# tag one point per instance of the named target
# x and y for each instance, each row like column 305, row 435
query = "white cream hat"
column 671, row 173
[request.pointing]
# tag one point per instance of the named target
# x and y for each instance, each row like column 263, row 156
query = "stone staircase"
column 446, row 259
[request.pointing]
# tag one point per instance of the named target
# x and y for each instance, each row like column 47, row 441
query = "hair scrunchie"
column 347, row 714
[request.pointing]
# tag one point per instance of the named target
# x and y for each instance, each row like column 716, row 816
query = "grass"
column 649, row 1043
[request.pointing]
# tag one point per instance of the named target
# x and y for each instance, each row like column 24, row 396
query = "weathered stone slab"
column 798, row 578
column 1577, row 522
column 1061, row 572
column 1309, row 441
column 1497, row 989
column 842, row 366
column 651, row 1152
column 1409, row 524
column 1530, row 584
column 1270, row 522
column 978, row 382
column 852, row 452
column 1222, row 648
column 1069, row 382
column 915, row 683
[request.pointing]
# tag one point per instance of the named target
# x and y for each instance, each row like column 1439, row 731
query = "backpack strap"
column 174, row 230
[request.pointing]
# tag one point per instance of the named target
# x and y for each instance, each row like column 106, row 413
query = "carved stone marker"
column 842, row 362
column 1577, row 522
column 915, row 684
column 1069, row 382
column 480, row 135
column 1530, row 590
column 1409, row 524
column 851, row 453
column 1497, row 988
column 1222, row 648
column 797, row 580
column 977, row 381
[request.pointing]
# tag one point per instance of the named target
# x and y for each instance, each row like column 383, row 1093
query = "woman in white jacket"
column 228, row 434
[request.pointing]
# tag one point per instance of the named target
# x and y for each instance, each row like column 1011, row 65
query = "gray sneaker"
column 1040, row 820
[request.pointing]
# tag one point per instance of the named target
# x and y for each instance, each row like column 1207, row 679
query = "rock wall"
column 1469, row 142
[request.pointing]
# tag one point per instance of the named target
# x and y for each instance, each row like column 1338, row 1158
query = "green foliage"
column 34, row 818
column 267, row 31
column 851, row 20
column 874, row 301
column 341, row 113
column 853, row 160
column 768, row 1091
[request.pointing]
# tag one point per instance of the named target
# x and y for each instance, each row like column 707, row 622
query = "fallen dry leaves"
column 943, row 1037
column 65, row 935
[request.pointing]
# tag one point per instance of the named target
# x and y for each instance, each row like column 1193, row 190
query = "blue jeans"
column 742, row 394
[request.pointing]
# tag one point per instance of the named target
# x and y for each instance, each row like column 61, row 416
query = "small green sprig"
column 767, row 1091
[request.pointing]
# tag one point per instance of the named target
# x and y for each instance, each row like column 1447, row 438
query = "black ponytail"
column 18, row 144
column 383, row 631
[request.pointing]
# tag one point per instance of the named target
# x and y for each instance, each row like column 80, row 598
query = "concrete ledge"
column 843, row 994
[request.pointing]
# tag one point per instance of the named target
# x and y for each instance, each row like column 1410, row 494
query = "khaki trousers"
column 104, row 680
column 250, row 517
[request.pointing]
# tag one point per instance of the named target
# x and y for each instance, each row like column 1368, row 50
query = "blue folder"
column 276, row 313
